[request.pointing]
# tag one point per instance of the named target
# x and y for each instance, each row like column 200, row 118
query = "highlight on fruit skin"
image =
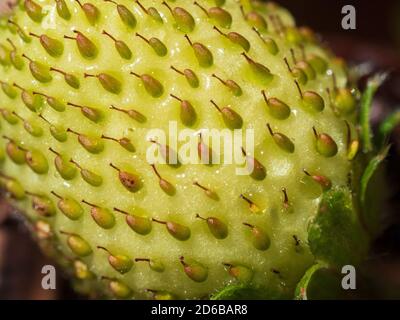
column 77, row 102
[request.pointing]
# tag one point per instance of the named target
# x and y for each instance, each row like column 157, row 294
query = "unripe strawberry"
column 78, row 100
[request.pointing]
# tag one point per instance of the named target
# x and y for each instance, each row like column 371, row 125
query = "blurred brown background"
column 376, row 41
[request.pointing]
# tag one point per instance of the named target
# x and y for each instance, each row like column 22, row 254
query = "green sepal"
column 366, row 103
column 369, row 197
column 386, row 128
column 320, row 283
column 335, row 234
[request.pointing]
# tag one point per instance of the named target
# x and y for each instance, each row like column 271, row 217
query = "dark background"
column 377, row 20
column 376, row 41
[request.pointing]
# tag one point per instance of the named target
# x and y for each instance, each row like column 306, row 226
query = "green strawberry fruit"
column 83, row 83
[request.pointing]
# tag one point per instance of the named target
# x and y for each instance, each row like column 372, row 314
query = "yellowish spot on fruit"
column 33, row 10
column 202, row 53
column 178, row 231
column 140, row 225
column 121, row 47
column 230, row 117
column 187, row 112
column 69, row 207
column 154, row 264
column 53, row 47
column 62, row 9
column 252, row 206
column 166, row 186
column 90, row 177
column 259, row 237
column 86, row 47
column 108, row 82
column 77, row 244
column 91, row 12
column 121, row 263
column 190, row 76
column 236, row 38
column 102, row 216
column 130, row 181
column 152, row 85
column 63, row 166
column 39, row 71
column 276, row 107
column 183, row 19
column 325, row 145
column 194, row 270
column 281, row 140
column 217, row 228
